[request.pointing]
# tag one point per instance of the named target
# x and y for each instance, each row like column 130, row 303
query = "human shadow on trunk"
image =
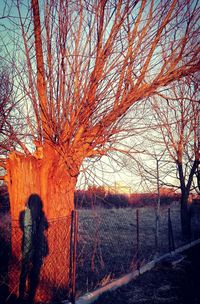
column 34, row 246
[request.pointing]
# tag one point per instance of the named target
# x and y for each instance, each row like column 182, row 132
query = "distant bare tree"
column 177, row 119
column 6, row 107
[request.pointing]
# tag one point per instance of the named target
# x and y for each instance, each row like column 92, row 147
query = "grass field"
column 107, row 241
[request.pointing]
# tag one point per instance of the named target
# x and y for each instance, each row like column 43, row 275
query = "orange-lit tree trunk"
column 48, row 178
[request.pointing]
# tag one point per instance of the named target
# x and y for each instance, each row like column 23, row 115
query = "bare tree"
column 178, row 123
column 83, row 65
column 7, row 105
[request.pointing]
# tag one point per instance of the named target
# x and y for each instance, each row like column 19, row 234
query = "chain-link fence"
column 39, row 270
column 107, row 244
column 114, row 242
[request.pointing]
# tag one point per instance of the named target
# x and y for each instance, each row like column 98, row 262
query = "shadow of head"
column 35, row 205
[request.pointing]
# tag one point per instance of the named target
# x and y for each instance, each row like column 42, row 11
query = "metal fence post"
column 73, row 248
column 157, row 208
column 170, row 232
column 138, row 237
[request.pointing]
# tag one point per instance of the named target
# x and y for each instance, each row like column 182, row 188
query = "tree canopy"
column 82, row 65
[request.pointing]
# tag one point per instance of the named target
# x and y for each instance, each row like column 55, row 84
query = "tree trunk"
column 44, row 174
column 185, row 216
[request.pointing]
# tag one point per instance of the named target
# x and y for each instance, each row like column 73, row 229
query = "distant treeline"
column 98, row 197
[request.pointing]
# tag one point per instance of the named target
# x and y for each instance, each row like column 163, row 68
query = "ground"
column 165, row 284
column 108, row 248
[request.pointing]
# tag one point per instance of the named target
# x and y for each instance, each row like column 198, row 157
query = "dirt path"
column 165, row 284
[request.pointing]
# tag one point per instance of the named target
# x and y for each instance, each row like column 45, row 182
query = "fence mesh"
column 51, row 270
column 110, row 243
column 113, row 242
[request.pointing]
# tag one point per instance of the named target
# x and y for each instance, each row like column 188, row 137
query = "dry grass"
column 107, row 243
